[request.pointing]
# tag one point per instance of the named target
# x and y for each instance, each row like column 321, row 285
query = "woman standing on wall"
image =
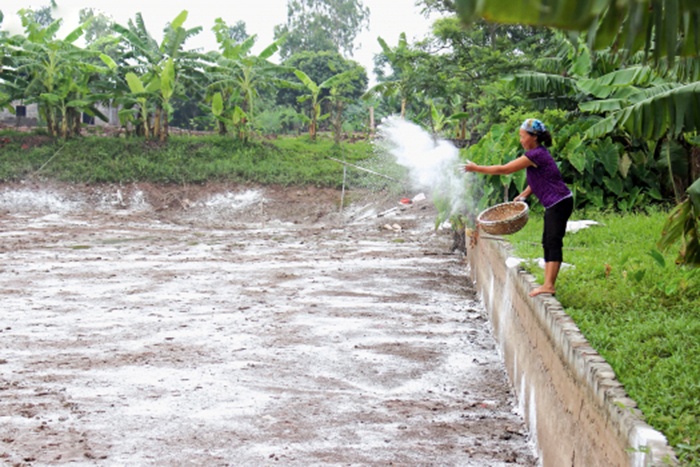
column 544, row 180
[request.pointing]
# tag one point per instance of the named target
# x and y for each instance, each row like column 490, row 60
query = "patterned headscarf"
column 534, row 126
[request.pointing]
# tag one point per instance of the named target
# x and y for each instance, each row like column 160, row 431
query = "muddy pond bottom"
column 132, row 337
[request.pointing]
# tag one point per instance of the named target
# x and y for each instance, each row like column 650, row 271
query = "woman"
column 544, row 181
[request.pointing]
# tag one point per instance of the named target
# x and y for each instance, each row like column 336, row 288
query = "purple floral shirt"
column 544, row 178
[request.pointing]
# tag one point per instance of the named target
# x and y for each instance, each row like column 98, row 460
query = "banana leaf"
column 674, row 111
column 217, row 104
column 694, row 195
column 683, row 224
column 665, row 29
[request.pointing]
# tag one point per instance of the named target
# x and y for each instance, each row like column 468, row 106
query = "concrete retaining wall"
column 577, row 411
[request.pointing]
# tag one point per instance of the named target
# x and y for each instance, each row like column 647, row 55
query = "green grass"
column 639, row 310
column 285, row 161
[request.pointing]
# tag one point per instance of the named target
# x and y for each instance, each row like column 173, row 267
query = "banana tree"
column 399, row 84
column 338, row 100
column 438, row 119
column 236, row 116
column 158, row 66
column 11, row 87
column 223, row 101
column 121, row 95
column 222, row 90
column 141, row 94
column 314, row 96
column 650, row 113
column 253, row 72
column 55, row 74
column 7, row 72
column 166, row 88
column 70, row 100
column 136, row 102
column 639, row 103
column 238, row 76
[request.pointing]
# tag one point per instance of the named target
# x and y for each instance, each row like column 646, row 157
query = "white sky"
column 388, row 18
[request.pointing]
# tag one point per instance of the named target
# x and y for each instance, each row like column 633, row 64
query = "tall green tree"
column 237, row 33
column 474, row 59
column 456, row 69
column 322, row 25
column 96, row 24
column 43, row 16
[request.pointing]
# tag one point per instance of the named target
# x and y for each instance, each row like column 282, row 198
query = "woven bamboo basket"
column 504, row 218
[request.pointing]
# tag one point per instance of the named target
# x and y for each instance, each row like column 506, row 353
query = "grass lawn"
column 639, row 310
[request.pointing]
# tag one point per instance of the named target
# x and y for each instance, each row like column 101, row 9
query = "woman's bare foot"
column 551, row 270
column 542, row 289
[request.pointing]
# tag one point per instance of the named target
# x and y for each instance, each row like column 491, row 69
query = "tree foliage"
column 53, row 73
column 42, row 16
column 154, row 71
column 319, row 67
column 399, row 81
column 665, row 29
column 237, row 77
column 322, row 25
column 96, row 24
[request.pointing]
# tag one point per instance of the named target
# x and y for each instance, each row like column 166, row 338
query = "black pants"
column 555, row 219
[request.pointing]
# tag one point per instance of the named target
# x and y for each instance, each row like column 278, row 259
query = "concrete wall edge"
column 554, row 335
